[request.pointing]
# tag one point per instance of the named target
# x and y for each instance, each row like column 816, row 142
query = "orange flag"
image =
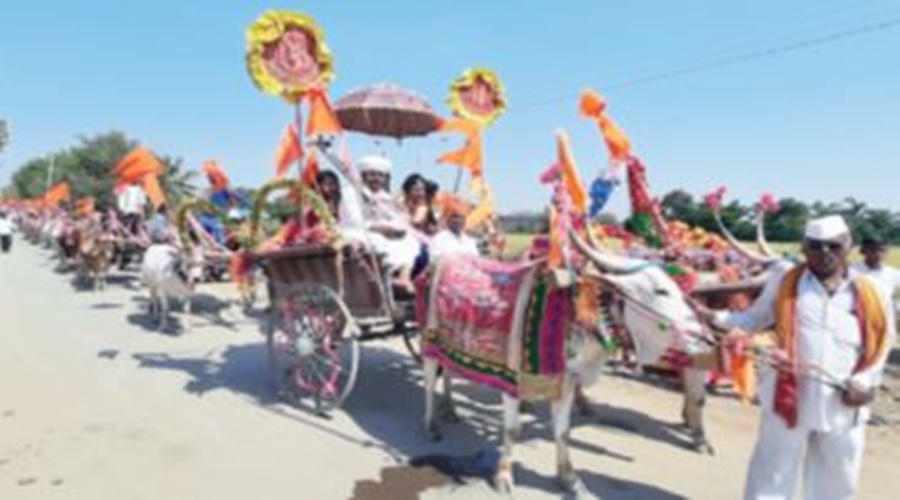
column 217, row 177
column 136, row 165
column 322, row 119
column 289, row 151
column 85, row 206
column 137, row 155
column 311, row 170
column 57, row 194
column 470, row 156
column 154, row 191
column 593, row 106
column 569, row 169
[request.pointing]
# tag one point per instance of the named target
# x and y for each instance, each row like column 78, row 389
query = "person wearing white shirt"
column 833, row 327
column 6, row 232
column 131, row 200
column 874, row 250
column 388, row 228
column 453, row 240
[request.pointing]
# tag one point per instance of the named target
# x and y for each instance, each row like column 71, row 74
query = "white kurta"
column 380, row 210
column 132, row 200
column 829, row 433
column 447, row 243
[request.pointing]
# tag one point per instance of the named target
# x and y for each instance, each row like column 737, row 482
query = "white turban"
column 374, row 164
column 827, row 228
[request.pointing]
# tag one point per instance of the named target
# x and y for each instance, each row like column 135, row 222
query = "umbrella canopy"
column 387, row 110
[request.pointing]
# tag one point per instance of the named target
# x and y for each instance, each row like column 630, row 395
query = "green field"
column 518, row 241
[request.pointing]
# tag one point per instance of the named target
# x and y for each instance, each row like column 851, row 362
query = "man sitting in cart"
column 453, row 240
column 388, row 227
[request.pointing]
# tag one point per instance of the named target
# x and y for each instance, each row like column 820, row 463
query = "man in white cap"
column 390, row 231
column 874, row 250
column 832, row 329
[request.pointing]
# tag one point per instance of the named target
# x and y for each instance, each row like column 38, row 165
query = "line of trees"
column 788, row 222
column 87, row 167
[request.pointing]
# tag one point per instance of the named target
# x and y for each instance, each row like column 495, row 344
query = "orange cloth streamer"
column 470, row 156
column 555, row 258
column 217, row 177
column 593, row 106
column 289, row 151
column 569, row 171
column 154, row 191
column 322, row 119
column 743, row 373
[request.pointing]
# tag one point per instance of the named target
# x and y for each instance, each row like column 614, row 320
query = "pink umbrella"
column 387, row 110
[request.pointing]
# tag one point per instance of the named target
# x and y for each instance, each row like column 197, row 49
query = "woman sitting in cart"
column 418, row 197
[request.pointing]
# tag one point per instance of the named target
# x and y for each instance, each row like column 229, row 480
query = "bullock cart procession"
column 333, row 267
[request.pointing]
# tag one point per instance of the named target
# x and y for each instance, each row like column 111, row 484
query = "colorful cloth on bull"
column 477, row 306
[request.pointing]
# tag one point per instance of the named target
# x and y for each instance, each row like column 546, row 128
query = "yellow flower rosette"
column 287, row 55
column 477, row 95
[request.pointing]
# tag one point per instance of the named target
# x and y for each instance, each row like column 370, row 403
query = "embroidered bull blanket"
column 495, row 323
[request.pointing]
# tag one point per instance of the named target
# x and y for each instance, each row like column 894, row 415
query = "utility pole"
column 50, row 172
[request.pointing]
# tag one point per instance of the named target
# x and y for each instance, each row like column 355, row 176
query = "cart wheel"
column 312, row 346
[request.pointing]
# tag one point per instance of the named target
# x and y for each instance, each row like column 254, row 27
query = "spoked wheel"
column 312, row 346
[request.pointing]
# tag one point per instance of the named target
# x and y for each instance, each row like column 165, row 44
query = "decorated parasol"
column 387, row 110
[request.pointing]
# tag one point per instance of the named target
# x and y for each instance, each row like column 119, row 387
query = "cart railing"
column 354, row 275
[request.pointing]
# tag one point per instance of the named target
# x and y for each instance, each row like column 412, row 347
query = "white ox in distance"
column 169, row 274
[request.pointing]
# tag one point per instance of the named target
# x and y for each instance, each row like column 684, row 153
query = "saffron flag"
column 322, row 119
column 311, row 170
column 218, row 180
column 593, row 106
column 154, row 191
column 85, row 206
column 289, row 151
column 470, row 156
column 137, row 165
column 57, row 194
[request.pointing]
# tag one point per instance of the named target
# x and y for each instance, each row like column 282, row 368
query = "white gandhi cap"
column 826, row 228
column 374, row 164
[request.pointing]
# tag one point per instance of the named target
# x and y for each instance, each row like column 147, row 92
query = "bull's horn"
column 749, row 254
column 605, row 262
column 592, row 237
column 761, row 241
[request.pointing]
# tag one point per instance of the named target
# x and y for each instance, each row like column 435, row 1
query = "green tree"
column 87, row 167
column 788, row 222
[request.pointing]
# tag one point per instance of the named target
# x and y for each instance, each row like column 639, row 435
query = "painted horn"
column 605, row 262
column 741, row 249
column 761, row 241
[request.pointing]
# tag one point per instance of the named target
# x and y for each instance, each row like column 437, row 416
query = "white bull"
column 169, row 274
column 647, row 289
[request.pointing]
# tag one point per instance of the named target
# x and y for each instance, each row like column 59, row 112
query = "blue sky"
column 821, row 123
